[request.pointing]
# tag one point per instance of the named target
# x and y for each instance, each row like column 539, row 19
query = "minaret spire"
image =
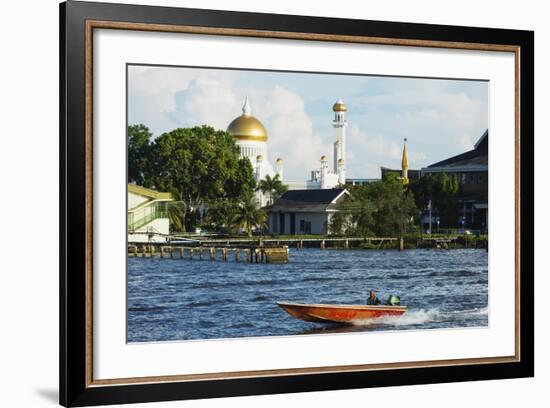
column 340, row 124
column 405, row 163
column 247, row 110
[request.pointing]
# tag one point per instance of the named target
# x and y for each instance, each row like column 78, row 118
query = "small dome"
column 247, row 127
column 323, row 158
column 279, row 161
column 340, row 162
column 339, row 106
column 259, row 157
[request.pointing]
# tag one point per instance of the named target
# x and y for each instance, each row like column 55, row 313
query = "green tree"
column 443, row 191
column 139, row 138
column 198, row 166
column 272, row 187
column 355, row 214
column 383, row 208
column 394, row 206
column 249, row 215
column 222, row 214
column 176, row 215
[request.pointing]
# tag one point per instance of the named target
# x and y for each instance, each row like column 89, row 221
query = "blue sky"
column 439, row 118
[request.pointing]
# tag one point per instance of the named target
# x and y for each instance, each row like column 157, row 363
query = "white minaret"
column 340, row 124
column 324, row 172
column 259, row 160
column 341, row 172
column 279, row 168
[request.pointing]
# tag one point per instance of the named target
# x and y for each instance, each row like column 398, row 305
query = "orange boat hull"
column 346, row 314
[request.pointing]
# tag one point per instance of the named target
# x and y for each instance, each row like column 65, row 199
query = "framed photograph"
column 257, row 204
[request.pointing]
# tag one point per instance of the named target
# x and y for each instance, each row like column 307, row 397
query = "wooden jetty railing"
column 298, row 243
column 258, row 254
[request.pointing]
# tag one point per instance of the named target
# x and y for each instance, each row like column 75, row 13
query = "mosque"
column 251, row 137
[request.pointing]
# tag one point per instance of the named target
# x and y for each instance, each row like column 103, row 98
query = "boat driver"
column 373, row 299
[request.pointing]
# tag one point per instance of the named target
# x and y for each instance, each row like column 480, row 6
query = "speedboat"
column 343, row 314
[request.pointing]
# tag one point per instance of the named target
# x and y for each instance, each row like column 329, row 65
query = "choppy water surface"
column 173, row 299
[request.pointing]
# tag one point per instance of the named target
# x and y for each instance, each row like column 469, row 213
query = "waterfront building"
column 472, row 172
column 252, row 138
column 305, row 211
column 147, row 214
column 360, row 181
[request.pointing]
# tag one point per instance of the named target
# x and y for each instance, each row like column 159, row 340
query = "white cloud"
column 290, row 131
column 153, row 95
column 430, row 112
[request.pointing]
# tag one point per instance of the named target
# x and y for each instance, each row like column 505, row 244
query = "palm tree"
column 176, row 215
column 249, row 215
column 272, row 187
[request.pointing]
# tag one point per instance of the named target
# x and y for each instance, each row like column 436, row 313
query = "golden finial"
column 405, row 159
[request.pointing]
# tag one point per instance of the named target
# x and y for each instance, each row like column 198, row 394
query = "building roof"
column 309, row 200
column 479, row 156
column 321, row 196
column 147, row 192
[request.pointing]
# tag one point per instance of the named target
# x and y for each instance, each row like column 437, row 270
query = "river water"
column 174, row 299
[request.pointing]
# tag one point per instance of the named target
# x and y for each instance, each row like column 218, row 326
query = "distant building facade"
column 360, row 181
column 305, row 211
column 147, row 214
column 472, row 171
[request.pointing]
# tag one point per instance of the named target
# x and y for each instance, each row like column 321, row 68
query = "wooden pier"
column 251, row 254
column 299, row 243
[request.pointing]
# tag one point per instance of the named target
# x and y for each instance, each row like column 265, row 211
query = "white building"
column 300, row 212
column 147, row 214
column 251, row 136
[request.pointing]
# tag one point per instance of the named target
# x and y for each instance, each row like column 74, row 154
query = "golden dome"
column 323, row 158
column 339, row 106
column 279, row 161
column 340, row 162
column 247, row 127
column 259, row 157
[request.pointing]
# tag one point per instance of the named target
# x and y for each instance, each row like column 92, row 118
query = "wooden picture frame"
column 77, row 22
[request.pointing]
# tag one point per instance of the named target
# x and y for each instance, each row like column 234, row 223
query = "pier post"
column 212, row 254
column 401, row 244
column 237, row 255
column 323, row 244
column 161, row 252
column 224, row 254
column 191, row 253
column 171, row 252
column 200, row 253
column 346, row 244
column 181, row 252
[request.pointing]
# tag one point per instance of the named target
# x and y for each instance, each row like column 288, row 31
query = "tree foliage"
column 272, row 187
column 250, row 216
column 139, row 138
column 383, row 208
column 443, row 191
column 198, row 165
